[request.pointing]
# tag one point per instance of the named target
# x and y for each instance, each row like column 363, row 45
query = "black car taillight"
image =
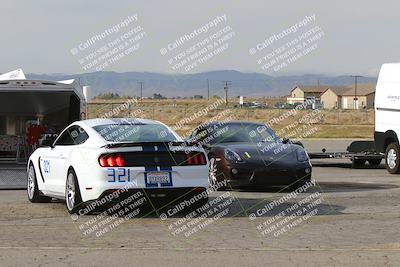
column 195, row 158
column 112, row 160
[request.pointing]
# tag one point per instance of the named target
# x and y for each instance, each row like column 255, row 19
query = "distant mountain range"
column 247, row 84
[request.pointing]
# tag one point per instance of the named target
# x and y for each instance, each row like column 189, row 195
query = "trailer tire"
column 392, row 158
column 374, row 162
column 357, row 163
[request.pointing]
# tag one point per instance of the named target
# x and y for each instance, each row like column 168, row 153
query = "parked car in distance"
column 255, row 105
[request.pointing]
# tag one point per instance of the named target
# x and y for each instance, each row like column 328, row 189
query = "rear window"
column 136, row 133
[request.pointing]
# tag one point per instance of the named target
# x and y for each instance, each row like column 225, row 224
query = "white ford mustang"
column 93, row 158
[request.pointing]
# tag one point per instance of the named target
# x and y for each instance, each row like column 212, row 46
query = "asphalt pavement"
column 350, row 217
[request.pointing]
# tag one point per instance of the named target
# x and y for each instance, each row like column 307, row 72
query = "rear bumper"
column 94, row 184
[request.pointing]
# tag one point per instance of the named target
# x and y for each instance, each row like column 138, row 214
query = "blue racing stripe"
column 146, row 170
column 168, row 169
column 162, row 168
column 162, row 148
column 148, row 149
column 150, row 169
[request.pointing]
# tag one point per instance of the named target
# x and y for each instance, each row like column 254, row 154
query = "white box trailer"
column 25, row 102
column 55, row 103
column 387, row 115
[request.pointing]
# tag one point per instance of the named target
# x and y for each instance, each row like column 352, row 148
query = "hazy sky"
column 358, row 35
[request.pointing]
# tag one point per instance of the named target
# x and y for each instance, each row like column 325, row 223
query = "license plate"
column 158, row 178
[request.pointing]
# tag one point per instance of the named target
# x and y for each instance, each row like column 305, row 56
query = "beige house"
column 364, row 98
column 332, row 97
column 346, row 97
column 301, row 93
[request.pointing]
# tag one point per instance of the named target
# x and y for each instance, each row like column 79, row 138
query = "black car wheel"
column 34, row 195
column 213, row 174
column 72, row 192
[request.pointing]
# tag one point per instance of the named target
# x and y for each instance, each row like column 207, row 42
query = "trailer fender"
column 382, row 140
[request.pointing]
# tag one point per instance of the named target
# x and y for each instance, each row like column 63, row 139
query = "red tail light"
column 103, row 161
column 112, row 160
column 188, row 159
column 120, row 161
column 202, row 159
column 195, row 158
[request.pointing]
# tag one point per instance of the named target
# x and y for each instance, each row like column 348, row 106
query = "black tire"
column 374, row 162
column 73, row 201
column 357, row 163
column 32, row 190
column 392, row 158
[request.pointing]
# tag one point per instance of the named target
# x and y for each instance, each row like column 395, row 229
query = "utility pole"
column 208, row 89
column 141, row 91
column 355, row 106
column 226, row 87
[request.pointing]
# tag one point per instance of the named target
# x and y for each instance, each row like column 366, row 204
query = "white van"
column 387, row 115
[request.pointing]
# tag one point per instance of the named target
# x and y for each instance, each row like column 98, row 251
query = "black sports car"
column 246, row 153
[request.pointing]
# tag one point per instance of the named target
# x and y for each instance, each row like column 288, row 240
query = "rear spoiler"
column 165, row 144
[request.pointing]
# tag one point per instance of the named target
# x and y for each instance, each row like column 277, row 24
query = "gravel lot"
column 356, row 224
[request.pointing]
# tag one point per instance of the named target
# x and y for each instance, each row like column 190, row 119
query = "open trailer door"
column 29, row 111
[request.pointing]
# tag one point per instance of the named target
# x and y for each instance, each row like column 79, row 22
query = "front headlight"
column 232, row 155
column 301, row 155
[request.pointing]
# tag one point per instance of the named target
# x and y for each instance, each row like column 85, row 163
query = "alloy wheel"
column 31, row 182
column 212, row 174
column 391, row 158
column 70, row 197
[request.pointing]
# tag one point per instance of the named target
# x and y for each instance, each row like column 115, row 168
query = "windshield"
column 136, row 133
column 230, row 133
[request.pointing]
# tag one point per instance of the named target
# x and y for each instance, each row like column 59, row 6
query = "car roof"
column 133, row 121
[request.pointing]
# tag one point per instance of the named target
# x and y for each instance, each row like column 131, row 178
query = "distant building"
column 331, row 97
column 365, row 97
column 300, row 94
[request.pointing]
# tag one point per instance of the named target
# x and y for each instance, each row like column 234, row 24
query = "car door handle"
column 62, row 156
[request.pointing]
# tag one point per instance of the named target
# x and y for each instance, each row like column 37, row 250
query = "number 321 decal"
column 46, row 166
column 119, row 175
